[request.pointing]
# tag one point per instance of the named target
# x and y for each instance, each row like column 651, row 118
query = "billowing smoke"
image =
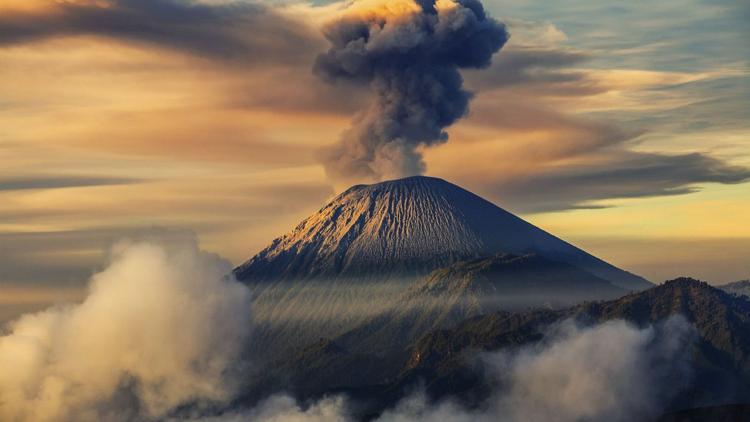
column 409, row 53
column 160, row 328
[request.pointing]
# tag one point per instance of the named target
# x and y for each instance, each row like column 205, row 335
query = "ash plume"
column 409, row 54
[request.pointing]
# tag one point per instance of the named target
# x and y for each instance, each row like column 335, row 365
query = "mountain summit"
column 410, row 227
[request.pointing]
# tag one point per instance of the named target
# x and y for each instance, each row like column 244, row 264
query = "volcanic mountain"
column 410, row 227
column 399, row 258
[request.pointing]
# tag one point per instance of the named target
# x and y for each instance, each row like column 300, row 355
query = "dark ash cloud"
column 532, row 67
column 244, row 32
column 411, row 62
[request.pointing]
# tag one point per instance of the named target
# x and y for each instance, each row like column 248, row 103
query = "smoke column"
column 409, row 54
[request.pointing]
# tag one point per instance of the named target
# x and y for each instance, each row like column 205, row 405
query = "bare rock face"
column 410, row 227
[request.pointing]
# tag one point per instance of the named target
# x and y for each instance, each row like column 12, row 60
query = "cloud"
column 553, row 160
column 622, row 174
column 613, row 371
column 280, row 115
column 241, row 31
column 283, row 408
column 160, row 327
column 545, row 69
column 57, row 182
column 57, row 236
column 409, row 54
column 65, row 258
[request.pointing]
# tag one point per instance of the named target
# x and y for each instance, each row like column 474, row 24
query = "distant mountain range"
column 739, row 288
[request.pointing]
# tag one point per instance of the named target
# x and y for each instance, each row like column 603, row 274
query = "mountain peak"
column 409, row 180
column 407, row 227
column 685, row 282
column 688, row 286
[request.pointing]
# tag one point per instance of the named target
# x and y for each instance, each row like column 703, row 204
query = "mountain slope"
column 466, row 289
column 514, row 279
column 408, row 227
column 375, row 349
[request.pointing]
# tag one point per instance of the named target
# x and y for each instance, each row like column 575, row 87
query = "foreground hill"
column 721, row 356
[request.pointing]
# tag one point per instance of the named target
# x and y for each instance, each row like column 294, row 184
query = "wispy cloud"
column 623, row 175
column 59, row 182
column 246, row 32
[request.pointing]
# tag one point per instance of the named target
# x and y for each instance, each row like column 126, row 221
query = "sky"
column 622, row 127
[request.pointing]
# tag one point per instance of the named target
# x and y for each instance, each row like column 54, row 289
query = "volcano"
column 410, row 227
column 381, row 264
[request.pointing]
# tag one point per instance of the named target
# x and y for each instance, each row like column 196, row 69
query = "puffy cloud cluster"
column 160, row 328
column 409, row 54
column 613, row 372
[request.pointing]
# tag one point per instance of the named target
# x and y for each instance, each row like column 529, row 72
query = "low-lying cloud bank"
column 159, row 328
column 162, row 332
